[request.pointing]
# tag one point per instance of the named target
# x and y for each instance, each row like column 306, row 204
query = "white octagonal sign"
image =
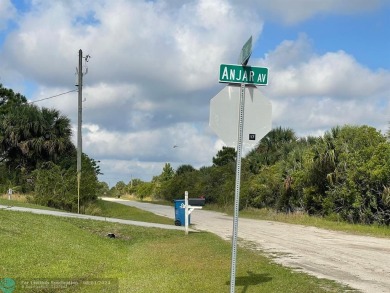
column 224, row 115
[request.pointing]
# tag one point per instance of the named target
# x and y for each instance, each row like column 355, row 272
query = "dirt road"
column 358, row 261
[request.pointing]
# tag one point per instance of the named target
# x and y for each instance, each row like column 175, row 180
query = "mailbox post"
column 190, row 208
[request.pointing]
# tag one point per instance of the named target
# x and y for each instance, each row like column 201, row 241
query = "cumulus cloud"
column 312, row 92
column 144, row 153
column 154, row 68
column 155, row 145
column 137, row 41
column 297, row 71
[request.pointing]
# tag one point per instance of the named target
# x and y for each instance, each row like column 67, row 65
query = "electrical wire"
column 76, row 90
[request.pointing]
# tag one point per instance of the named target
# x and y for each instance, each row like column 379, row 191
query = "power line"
column 53, row 96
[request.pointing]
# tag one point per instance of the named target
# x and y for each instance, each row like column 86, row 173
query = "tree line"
column 342, row 175
column 37, row 155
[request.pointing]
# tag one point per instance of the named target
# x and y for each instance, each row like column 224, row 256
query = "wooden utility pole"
column 79, row 122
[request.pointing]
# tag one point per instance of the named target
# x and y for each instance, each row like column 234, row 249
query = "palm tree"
column 275, row 146
column 32, row 136
column 56, row 133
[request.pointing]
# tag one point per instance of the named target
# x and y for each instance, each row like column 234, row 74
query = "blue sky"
column 366, row 36
column 155, row 65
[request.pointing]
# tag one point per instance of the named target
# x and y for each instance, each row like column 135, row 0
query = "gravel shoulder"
column 362, row 262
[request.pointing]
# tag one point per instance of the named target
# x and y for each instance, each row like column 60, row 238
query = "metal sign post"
column 224, row 118
column 246, row 52
column 237, row 190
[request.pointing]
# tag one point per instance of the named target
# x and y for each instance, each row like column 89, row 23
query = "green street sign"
column 243, row 74
column 246, row 52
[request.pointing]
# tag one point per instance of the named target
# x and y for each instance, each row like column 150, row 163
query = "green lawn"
column 139, row 259
column 117, row 210
column 19, row 203
column 104, row 209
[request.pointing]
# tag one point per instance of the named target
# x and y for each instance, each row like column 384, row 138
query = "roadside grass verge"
column 140, row 259
column 99, row 208
column 306, row 220
column 21, row 201
column 117, row 210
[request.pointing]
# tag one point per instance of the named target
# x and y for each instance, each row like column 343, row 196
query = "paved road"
column 358, row 261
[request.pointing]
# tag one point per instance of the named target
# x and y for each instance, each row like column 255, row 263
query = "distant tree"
column 103, row 189
column 131, row 187
column 135, row 182
column 120, row 187
column 184, row 169
column 224, row 156
column 216, row 183
column 145, row 189
column 167, row 173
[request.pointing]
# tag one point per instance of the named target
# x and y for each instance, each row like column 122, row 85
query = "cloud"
column 7, row 12
column 154, row 69
column 144, row 153
column 137, row 41
column 297, row 71
column 300, row 10
column 312, row 92
column 154, row 145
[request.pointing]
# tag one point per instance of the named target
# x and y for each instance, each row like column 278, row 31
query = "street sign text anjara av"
column 243, row 74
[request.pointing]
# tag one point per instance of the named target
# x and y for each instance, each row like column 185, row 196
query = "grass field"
column 39, row 247
column 20, row 201
column 110, row 209
column 101, row 208
column 116, row 210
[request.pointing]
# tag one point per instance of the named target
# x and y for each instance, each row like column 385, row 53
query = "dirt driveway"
column 358, row 261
